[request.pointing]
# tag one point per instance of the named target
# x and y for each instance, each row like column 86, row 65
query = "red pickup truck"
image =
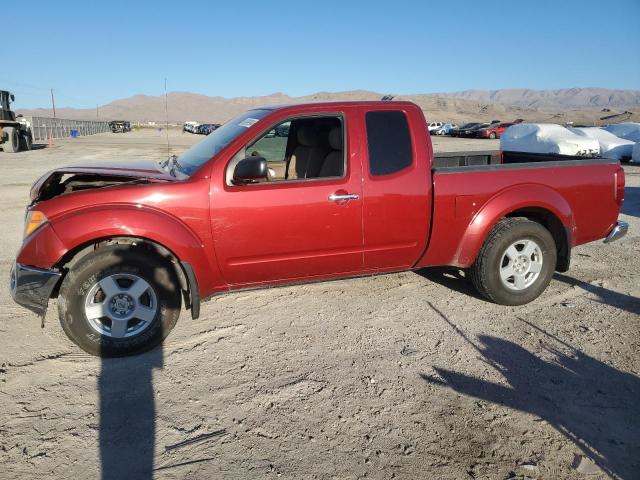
column 349, row 189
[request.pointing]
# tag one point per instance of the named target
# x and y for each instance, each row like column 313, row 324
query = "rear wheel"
column 12, row 144
column 119, row 301
column 516, row 262
column 492, row 135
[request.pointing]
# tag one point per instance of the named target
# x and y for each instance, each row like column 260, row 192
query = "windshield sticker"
column 247, row 122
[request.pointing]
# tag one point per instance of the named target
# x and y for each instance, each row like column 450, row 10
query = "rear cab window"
column 388, row 142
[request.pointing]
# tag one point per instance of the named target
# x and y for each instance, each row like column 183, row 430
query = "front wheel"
column 26, row 141
column 119, row 301
column 492, row 136
column 516, row 262
column 12, row 144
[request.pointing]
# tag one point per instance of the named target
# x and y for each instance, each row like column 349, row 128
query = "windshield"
column 202, row 152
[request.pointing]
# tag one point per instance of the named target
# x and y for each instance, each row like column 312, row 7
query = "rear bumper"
column 31, row 287
column 617, row 232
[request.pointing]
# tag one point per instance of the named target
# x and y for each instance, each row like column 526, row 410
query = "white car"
column 433, row 126
column 547, row 138
column 610, row 146
column 190, row 127
column 444, row 129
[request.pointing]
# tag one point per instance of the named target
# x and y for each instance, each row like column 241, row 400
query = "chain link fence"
column 44, row 128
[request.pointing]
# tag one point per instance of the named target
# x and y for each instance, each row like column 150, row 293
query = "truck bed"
column 462, row 193
column 495, row 157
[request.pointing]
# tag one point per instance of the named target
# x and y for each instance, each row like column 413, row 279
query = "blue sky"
column 95, row 52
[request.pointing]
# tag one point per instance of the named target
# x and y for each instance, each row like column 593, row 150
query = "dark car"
column 471, row 132
column 120, row 126
column 206, row 128
column 455, row 131
column 282, row 130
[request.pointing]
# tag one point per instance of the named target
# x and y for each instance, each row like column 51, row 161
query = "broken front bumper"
column 617, row 232
column 31, row 287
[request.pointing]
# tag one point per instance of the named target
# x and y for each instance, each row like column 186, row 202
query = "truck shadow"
column 452, row 279
column 128, row 416
column 127, row 439
column 631, row 205
column 592, row 404
column 605, row 296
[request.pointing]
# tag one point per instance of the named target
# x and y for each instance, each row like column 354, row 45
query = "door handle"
column 337, row 197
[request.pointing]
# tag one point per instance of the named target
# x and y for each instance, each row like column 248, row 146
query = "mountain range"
column 580, row 105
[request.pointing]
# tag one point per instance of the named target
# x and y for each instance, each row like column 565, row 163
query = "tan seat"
column 333, row 164
column 308, row 156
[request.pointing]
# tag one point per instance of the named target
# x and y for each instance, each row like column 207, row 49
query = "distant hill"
column 552, row 100
column 582, row 105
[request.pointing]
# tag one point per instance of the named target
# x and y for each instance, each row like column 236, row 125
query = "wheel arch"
column 536, row 202
column 183, row 270
column 157, row 230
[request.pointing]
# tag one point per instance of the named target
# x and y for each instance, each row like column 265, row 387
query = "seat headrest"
column 335, row 138
column 308, row 136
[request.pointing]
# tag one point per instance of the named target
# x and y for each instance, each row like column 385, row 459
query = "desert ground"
column 405, row 376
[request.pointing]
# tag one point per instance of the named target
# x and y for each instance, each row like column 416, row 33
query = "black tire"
column 485, row 273
column 125, row 261
column 493, row 135
column 12, row 144
column 26, row 142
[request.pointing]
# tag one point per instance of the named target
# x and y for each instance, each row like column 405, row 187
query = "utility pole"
column 166, row 115
column 97, row 113
column 53, row 102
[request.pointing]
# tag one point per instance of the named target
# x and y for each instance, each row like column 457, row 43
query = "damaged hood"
column 98, row 175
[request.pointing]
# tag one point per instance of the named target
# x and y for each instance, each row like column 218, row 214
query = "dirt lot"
column 399, row 376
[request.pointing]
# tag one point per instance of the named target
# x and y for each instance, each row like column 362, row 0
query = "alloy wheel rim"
column 521, row 265
column 120, row 305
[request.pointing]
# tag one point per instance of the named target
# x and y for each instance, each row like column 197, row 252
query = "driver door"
column 288, row 227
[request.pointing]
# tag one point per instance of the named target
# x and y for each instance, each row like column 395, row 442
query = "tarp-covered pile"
column 547, row 138
column 628, row 131
column 611, row 146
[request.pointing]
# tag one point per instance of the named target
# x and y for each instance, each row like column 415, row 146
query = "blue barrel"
column 74, row 133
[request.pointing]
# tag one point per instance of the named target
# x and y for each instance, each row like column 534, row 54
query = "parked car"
column 455, row 132
column 433, row 126
column 445, row 129
column 120, row 126
column 191, row 127
column 283, row 130
column 206, row 128
column 472, row 132
column 123, row 246
column 493, row 131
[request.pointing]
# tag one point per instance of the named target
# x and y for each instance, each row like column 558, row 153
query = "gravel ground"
column 407, row 375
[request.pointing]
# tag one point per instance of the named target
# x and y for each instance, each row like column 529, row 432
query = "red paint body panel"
column 397, row 207
column 581, row 198
column 284, row 232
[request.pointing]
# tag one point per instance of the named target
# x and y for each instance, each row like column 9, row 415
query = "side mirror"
column 250, row 170
column 13, row 98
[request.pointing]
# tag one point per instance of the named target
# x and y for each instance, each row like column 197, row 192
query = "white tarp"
column 626, row 130
column 547, row 138
column 610, row 145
